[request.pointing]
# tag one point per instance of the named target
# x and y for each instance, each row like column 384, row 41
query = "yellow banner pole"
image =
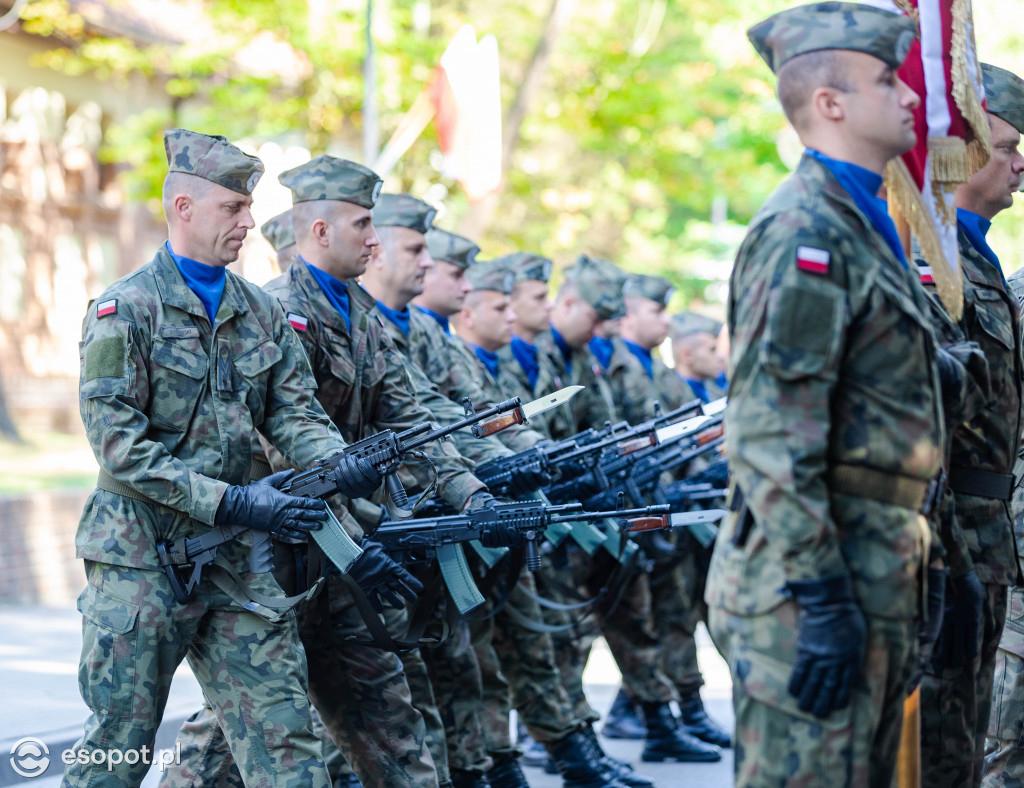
column 908, row 762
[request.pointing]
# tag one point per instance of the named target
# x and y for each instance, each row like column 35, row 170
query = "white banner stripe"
column 932, row 48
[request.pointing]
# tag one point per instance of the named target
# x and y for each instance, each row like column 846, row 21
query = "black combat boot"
column 575, row 759
column 506, row 773
column 347, row 780
column 466, row 779
column 623, row 721
column 613, row 767
column 667, row 741
column 696, row 721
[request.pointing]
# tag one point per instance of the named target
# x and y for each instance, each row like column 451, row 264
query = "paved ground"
column 39, row 650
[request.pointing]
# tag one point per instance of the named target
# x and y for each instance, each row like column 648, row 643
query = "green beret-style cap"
column 818, row 26
column 451, row 248
column 599, row 282
column 686, row 323
column 491, row 275
column 403, row 210
column 656, row 288
column 527, row 266
column 331, row 178
column 1004, row 95
column 212, row 158
column 279, row 231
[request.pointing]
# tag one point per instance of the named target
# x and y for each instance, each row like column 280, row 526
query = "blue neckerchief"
column 863, row 186
column 722, row 382
column 487, row 358
column 976, row 227
column 526, row 355
column 441, row 321
column 602, row 349
column 335, row 290
column 400, row 319
column 643, row 355
column 206, row 281
column 563, row 346
column 700, row 391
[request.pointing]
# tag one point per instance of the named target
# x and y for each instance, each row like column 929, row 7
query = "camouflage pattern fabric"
column 853, row 26
column 212, row 158
column 1004, row 94
column 279, row 231
column 816, row 298
column 528, row 266
column 330, row 178
column 599, row 282
column 403, row 210
column 491, row 275
column 654, row 288
column 778, row 744
column 451, row 248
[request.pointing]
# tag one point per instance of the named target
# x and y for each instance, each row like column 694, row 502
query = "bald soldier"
column 182, row 361
column 834, row 427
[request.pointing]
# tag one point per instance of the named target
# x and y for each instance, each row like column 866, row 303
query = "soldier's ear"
column 182, row 205
column 825, row 101
column 321, row 232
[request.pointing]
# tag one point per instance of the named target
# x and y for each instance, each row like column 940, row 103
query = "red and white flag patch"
column 812, row 260
column 926, row 274
column 299, row 323
column 105, row 308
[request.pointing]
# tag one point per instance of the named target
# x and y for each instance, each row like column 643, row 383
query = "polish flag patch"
column 106, row 308
column 299, row 323
column 926, row 274
column 812, row 260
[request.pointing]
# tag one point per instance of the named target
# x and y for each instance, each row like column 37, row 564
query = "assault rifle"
column 385, row 451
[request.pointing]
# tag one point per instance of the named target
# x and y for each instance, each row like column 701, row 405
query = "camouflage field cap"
column 451, row 248
column 491, row 275
column 527, row 266
column 599, row 282
column 279, row 231
column 403, row 210
column 331, row 178
column 212, row 158
column 687, row 323
column 818, row 26
column 1004, row 94
column 656, row 288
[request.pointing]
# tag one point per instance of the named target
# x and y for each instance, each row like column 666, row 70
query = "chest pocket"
column 991, row 312
column 374, row 369
column 254, row 368
column 177, row 379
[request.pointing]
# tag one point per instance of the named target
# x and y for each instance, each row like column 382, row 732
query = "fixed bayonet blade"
column 715, row 407
column 698, row 517
column 546, row 403
column 684, row 427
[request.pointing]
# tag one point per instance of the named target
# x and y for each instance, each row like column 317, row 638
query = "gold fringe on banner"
column 948, row 159
column 905, row 201
column 979, row 146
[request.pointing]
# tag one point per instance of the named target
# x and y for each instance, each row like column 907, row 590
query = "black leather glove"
column 356, row 477
column 830, row 644
column 383, row 579
column 928, row 631
column 262, row 506
column 959, row 638
column 525, row 480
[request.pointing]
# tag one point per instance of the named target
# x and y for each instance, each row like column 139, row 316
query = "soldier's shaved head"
column 182, row 183
column 803, row 74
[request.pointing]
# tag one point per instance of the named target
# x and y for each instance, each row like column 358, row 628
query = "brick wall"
column 37, row 548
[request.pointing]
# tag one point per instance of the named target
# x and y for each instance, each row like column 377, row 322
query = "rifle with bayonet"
column 184, row 559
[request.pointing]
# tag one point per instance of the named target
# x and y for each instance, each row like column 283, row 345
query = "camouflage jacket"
column 425, row 346
column 170, row 404
column 634, row 394
column 364, row 382
column 558, row 421
column 593, row 406
column 832, row 371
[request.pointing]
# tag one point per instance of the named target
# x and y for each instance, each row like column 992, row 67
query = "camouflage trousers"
column 677, row 607
column 1004, row 749
column 134, row 636
column 776, row 744
column 518, row 669
column 955, row 707
column 362, row 696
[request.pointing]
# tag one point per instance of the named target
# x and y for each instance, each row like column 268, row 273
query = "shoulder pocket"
column 804, row 333
column 104, row 357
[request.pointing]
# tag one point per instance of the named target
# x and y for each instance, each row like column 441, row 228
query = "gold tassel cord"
column 906, row 200
column 979, row 146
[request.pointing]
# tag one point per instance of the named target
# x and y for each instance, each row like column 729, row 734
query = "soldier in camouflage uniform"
column 281, row 235
column 181, row 362
column 986, row 194
column 695, row 353
column 834, row 427
column 956, row 691
column 638, row 379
